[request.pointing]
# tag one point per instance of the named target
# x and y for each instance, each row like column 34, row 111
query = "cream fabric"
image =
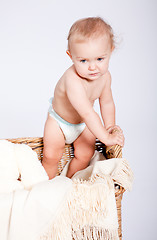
column 19, row 160
column 90, row 208
column 24, row 214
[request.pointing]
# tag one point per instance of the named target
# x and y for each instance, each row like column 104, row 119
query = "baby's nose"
column 91, row 66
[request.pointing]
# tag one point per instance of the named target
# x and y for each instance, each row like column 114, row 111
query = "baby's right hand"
column 116, row 137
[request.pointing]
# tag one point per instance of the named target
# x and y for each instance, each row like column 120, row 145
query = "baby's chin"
column 94, row 76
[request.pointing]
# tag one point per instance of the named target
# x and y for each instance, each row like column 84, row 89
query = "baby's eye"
column 83, row 60
column 100, row 59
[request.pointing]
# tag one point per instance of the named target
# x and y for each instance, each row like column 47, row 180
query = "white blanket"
column 60, row 208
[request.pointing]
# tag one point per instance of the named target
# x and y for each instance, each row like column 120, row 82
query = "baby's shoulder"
column 70, row 72
column 106, row 78
column 70, row 75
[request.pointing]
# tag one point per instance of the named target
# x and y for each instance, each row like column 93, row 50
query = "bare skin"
column 85, row 81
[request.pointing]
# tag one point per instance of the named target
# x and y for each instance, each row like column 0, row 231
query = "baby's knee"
column 84, row 156
column 52, row 156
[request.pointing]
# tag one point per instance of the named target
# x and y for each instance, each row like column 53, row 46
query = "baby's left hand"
column 116, row 128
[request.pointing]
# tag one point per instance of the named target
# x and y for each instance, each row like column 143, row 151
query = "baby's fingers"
column 121, row 140
column 120, row 133
column 117, row 128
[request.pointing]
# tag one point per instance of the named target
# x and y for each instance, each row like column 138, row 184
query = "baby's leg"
column 54, row 143
column 84, row 148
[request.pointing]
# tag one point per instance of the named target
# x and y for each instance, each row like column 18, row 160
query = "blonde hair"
column 91, row 27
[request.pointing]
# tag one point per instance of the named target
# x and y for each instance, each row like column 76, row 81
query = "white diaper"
column 71, row 131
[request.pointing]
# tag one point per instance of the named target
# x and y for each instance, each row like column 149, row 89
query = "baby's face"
column 91, row 57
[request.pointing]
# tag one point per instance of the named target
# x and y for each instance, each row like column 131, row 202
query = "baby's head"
column 90, row 44
column 90, row 28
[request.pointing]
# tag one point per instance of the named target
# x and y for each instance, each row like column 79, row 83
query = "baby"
column 71, row 116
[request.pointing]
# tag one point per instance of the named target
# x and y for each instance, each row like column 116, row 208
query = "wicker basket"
column 109, row 152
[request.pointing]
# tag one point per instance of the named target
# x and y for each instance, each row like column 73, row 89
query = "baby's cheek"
column 82, row 69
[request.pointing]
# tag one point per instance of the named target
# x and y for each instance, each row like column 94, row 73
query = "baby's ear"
column 69, row 54
column 113, row 47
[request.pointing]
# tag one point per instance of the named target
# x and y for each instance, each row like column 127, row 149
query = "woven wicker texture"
column 109, row 152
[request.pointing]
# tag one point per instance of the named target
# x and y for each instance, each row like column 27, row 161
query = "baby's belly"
column 71, row 117
column 68, row 114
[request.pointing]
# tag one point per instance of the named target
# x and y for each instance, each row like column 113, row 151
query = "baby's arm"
column 107, row 106
column 79, row 100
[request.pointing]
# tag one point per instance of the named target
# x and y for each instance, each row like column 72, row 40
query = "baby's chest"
column 94, row 93
column 94, row 89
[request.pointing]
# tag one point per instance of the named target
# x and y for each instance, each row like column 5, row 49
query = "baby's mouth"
column 93, row 74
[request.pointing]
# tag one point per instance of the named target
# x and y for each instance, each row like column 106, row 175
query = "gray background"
column 32, row 59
